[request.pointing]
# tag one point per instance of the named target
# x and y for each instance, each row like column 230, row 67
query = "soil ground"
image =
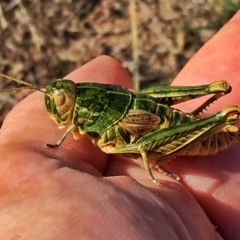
column 44, row 40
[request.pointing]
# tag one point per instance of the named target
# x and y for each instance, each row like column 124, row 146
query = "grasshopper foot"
column 48, row 145
column 156, row 182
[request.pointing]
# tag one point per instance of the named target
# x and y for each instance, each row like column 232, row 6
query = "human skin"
column 78, row 192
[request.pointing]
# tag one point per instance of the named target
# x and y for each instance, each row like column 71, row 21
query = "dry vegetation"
column 45, row 40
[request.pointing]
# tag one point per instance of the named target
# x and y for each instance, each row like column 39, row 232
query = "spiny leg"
column 170, row 142
column 166, row 172
column 207, row 103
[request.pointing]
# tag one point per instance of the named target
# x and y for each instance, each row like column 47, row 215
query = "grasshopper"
column 141, row 124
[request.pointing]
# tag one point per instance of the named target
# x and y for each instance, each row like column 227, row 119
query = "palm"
column 40, row 187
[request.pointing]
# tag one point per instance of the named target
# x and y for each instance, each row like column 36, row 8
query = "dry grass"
column 44, row 40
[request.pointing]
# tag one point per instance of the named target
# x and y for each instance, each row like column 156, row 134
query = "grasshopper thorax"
column 60, row 99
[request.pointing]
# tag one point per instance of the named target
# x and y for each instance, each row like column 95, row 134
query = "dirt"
column 44, row 40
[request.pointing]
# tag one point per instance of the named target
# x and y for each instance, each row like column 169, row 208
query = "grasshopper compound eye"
column 59, row 97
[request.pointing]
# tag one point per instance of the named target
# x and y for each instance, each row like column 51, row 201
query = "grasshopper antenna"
column 27, row 85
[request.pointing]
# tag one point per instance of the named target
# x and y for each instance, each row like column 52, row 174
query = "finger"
column 29, row 125
column 219, row 59
column 213, row 180
column 102, row 69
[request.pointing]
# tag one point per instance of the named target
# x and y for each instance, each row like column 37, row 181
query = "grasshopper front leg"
column 62, row 138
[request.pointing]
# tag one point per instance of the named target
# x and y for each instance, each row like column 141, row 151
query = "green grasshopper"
column 141, row 124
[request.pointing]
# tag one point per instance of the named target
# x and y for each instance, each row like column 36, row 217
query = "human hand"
column 78, row 192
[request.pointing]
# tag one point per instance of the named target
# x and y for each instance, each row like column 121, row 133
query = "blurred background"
column 153, row 39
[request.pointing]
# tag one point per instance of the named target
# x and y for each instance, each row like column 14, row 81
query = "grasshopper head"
column 60, row 99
